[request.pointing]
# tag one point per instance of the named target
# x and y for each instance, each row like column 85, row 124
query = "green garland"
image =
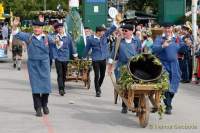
column 141, row 57
column 73, row 24
column 46, row 28
column 79, row 64
column 50, row 14
column 126, row 79
column 27, row 29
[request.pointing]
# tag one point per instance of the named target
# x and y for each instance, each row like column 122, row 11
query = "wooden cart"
column 144, row 93
column 79, row 70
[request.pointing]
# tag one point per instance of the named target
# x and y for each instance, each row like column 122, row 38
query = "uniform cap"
column 57, row 25
column 100, row 28
column 38, row 23
column 127, row 26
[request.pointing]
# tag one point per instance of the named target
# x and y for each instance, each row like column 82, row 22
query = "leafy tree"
column 22, row 8
column 142, row 5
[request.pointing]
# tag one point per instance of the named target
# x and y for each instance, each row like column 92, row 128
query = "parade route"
column 79, row 111
column 148, row 50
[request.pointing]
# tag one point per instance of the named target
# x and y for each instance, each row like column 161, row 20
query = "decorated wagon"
column 79, row 70
column 145, row 79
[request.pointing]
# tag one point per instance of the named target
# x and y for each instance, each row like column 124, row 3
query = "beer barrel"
column 145, row 67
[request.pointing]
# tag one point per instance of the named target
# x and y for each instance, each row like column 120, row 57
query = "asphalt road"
column 79, row 111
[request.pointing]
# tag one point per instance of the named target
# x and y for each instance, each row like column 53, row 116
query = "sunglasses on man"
column 124, row 30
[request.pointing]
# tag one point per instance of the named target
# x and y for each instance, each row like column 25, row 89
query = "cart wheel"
column 88, row 83
column 85, row 83
column 143, row 111
column 115, row 96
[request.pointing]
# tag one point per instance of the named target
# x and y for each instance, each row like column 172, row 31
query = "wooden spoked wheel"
column 88, row 83
column 143, row 110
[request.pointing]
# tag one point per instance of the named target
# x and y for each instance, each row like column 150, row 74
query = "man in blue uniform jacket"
column 38, row 64
column 62, row 51
column 129, row 46
column 99, row 55
column 166, row 47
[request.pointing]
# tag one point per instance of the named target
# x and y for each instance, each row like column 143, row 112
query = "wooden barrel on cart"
column 145, row 67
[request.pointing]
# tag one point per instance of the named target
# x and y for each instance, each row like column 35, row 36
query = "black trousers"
column 51, row 62
column 99, row 68
column 16, row 50
column 40, row 100
column 61, row 69
column 136, row 103
column 168, row 99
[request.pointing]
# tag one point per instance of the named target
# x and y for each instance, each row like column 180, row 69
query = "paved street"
column 79, row 111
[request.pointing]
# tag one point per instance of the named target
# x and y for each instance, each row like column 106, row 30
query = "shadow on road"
column 14, row 111
column 16, row 81
column 104, row 116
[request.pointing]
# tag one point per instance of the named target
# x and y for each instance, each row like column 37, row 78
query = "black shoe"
column 14, row 65
column 168, row 110
column 98, row 94
column 18, row 68
column 46, row 110
column 185, row 81
column 124, row 111
column 62, row 92
column 38, row 112
column 137, row 114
